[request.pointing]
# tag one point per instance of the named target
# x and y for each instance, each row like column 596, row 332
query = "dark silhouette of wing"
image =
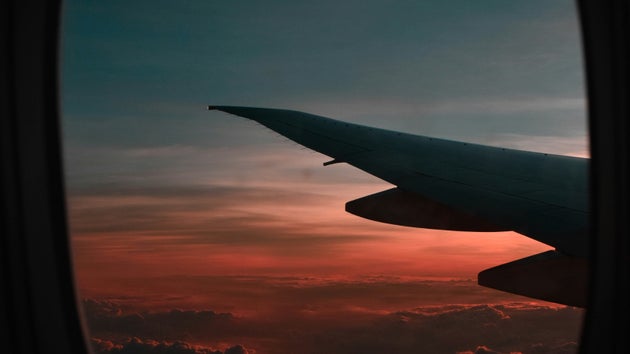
column 452, row 185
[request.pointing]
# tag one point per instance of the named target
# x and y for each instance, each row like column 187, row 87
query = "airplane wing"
column 452, row 185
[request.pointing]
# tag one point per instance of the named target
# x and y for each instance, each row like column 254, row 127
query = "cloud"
column 104, row 317
column 237, row 349
column 211, row 215
column 570, row 347
column 471, row 329
column 147, row 346
column 538, row 348
column 291, row 296
column 482, row 349
column 504, row 329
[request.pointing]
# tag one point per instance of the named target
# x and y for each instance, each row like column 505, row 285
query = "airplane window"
column 199, row 231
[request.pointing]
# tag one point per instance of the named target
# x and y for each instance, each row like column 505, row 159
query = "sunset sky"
column 175, row 207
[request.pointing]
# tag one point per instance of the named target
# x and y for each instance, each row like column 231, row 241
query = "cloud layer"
column 501, row 328
column 138, row 346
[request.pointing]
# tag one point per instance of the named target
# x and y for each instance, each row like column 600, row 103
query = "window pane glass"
column 199, row 231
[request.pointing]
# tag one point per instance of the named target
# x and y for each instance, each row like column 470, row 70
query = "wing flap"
column 550, row 276
column 395, row 206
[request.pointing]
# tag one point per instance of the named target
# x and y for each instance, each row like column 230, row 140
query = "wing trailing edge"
column 550, row 276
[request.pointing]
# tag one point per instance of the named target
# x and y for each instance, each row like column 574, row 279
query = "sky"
column 176, row 208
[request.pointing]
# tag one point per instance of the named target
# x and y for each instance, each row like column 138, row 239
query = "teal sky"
column 133, row 71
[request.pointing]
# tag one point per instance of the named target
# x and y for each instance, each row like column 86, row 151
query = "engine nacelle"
column 395, row 206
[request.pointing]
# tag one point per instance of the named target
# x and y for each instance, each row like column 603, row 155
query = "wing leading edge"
column 451, row 185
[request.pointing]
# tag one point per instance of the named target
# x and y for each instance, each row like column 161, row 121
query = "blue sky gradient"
column 456, row 69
